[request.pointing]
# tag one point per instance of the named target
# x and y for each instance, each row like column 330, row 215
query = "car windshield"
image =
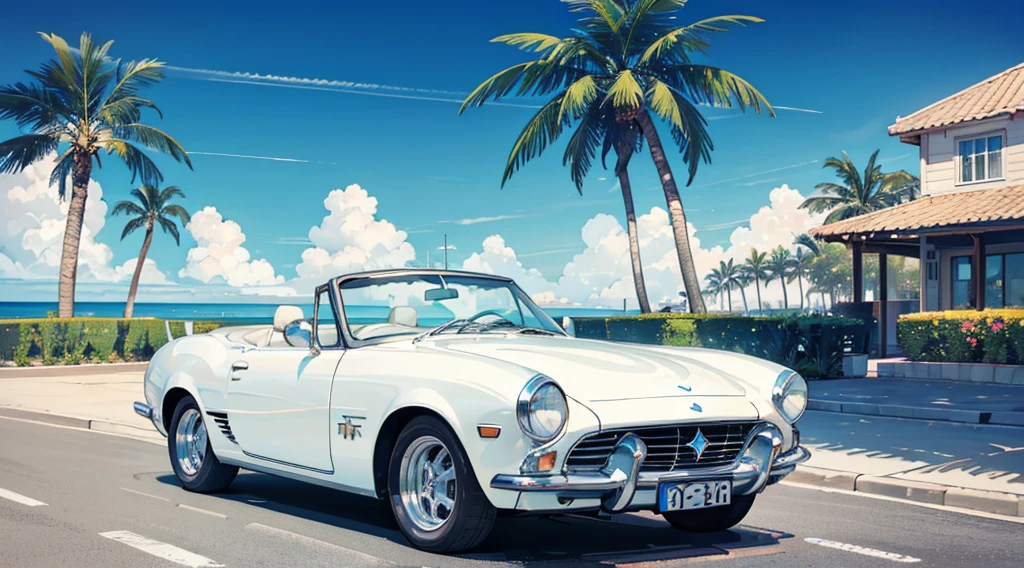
column 379, row 307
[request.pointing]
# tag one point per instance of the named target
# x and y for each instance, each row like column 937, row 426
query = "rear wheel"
column 714, row 519
column 433, row 492
column 192, row 458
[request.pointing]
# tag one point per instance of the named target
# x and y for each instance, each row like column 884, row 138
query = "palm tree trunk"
column 729, row 292
column 800, row 282
column 634, row 239
column 785, row 294
column 73, row 236
column 743, row 295
column 757, row 285
column 675, row 210
column 129, row 306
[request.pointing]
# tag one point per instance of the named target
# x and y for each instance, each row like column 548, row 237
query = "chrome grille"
column 667, row 448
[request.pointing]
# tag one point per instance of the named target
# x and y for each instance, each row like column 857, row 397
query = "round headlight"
column 790, row 396
column 542, row 409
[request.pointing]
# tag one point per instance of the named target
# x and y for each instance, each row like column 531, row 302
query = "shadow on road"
column 550, row 541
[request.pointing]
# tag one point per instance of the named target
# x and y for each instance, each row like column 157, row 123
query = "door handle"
column 238, row 366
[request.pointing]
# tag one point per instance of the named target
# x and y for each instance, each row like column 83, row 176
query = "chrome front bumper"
column 620, row 485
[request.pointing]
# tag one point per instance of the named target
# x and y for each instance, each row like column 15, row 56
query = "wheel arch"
column 388, row 436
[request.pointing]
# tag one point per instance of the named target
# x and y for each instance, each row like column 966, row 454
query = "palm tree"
column 80, row 103
column 625, row 140
column 152, row 208
column 714, row 284
column 756, row 266
column 779, row 268
column 628, row 57
column 807, row 241
column 858, row 194
column 732, row 278
column 800, row 266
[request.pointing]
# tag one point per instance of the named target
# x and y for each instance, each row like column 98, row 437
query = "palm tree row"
column 78, row 105
column 779, row 264
column 626, row 60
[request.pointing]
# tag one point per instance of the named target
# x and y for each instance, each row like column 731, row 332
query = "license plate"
column 696, row 495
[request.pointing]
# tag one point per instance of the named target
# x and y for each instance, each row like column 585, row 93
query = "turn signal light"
column 546, row 462
column 488, row 431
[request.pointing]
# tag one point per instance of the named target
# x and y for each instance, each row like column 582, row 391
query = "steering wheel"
column 485, row 313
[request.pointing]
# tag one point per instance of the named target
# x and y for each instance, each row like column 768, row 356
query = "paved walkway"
column 915, row 398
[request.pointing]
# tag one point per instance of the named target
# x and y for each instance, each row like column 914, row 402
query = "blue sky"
column 858, row 65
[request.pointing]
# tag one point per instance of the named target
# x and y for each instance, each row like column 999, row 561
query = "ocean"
column 231, row 313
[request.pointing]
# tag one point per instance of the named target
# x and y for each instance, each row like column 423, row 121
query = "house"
column 968, row 226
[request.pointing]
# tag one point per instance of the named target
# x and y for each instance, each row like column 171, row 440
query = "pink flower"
column 972, row 341
column 997, row 326
column 967, row 326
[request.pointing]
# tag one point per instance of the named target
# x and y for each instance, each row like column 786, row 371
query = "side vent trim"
column 221, row 419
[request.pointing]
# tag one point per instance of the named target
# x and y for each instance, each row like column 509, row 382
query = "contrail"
column 756, row 174
column 798, row 109
column 269, row 158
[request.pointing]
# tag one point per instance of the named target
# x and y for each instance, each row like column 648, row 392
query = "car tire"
column 192, row 457
column 420, row 491
column 714, row 519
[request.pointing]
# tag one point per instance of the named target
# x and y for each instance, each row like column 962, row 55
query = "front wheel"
column 191, row 455
column 433, row 492
column 713, row 519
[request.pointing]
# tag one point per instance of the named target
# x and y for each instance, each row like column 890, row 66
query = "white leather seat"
column 404, row 316
column 282, row 317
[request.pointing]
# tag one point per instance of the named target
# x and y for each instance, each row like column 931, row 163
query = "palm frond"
column 709, row 85
column 132, row 77
column 498, row 86
column 19, row 152
column 137, row 161
column 542, row 130
column 692, row 138
column 132, row 225
column 578, row 97
column 177, row 211
column 582, row 147
column 32, row 107
column 62, row 169
column 128, row 208
column 170, row 192
column 611, row 12
column 821, row 203
column 529, row 41
column 687, row 38
column 625, row 92
column 169, row 227
column 154, row 139
column 661, row 100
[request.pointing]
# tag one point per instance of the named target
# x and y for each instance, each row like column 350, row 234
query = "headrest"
column 403, row 315
column 286, row 315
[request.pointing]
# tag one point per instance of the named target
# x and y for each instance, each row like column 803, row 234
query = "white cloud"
column 446, row 247
column 32, row 223
column 219, row 255
column 497, row 258
column 150, row 273
column 350, row 238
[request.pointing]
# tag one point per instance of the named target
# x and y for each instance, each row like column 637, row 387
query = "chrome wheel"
column 427, row 483
column 190, row 442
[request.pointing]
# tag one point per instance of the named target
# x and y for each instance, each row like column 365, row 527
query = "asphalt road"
column 84, row 499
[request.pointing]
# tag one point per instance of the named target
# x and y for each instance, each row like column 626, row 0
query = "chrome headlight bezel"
column 525, row 408
column 788, row 384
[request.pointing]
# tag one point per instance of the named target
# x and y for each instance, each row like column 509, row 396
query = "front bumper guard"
column 760, row 464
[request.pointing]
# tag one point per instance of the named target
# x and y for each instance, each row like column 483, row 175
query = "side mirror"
column 299, row 333
column 568, row 326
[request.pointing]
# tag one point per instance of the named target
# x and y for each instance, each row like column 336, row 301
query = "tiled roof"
column 999, row 95
column 935, row 212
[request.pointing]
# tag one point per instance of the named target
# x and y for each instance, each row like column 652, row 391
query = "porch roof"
column 964, row 212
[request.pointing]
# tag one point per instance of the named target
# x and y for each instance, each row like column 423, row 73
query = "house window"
column 1004, row 281
column 981, row 159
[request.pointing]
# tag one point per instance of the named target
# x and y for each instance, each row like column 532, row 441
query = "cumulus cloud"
column 219, row 255
column 350, row 238
column 32, row 223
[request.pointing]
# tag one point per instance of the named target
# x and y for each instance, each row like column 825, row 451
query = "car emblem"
column 696, row 408
column 699, row 443
column 348, row 430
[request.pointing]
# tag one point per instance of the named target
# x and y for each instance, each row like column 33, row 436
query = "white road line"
column 161, row 549
column 18, row 498
column 296, row 537
column 862, row 550
column 203, row 511
column 145, row 494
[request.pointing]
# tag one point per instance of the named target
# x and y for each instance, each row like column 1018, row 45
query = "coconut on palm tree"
column 779, row 267
column 858, row 194
column 627, row 59
column 756, row 265
column 152, row 207
column 77, row 105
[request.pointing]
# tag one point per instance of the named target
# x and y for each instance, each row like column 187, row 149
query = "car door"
column 278, row 397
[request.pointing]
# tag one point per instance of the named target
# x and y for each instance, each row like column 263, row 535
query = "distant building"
column 968, row 226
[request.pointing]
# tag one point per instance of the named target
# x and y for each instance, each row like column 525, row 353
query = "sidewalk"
column 973, row 403
column 946, row 463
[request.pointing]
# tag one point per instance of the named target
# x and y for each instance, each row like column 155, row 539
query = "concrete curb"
column 995, row 502
column 72, row 370
column 109, row 426
column 918, row 412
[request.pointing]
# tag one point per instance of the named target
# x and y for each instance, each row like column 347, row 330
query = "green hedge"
column 71, row 341
column 814, row 346
column 964, row 336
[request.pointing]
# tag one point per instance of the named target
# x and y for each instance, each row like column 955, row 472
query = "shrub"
column 812, row 345
column 963, row 336
column 71, row 341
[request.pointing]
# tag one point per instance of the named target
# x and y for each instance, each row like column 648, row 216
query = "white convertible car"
column 455, row 397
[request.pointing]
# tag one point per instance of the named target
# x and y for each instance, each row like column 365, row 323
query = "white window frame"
column 958, row 158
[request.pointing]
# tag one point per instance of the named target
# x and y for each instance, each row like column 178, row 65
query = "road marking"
column 145, row 494
column 115, row 434
column 161, row 549
column 18, row 498
column 281, row 533
column 862, row 550
column 203, row 511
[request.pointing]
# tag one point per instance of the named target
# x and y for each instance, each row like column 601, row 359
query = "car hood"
column 601, row 371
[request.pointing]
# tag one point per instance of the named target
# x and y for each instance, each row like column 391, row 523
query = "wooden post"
column 883, row 302
column 978, row 274
column 858, row 271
